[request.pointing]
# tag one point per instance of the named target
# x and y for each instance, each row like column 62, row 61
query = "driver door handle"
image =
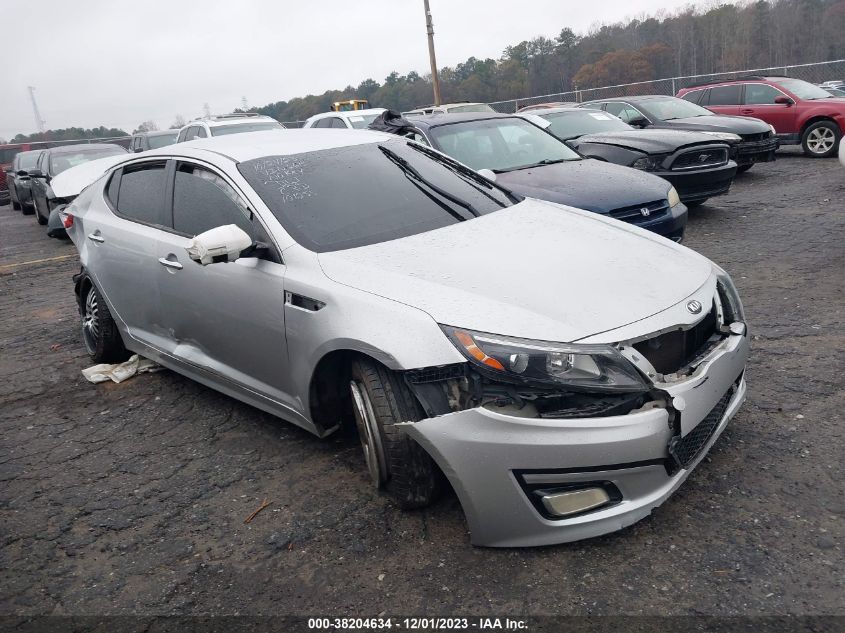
column 96, row 237
column 169, row 263
column 747, row 111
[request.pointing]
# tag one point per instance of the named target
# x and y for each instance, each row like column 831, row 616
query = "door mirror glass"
column 224, row 243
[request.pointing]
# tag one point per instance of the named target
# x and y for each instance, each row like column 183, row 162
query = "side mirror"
column 23, row 173
column 784, row 101
column 224, row 243
column 36, row 173
column 138, row 149
column 488, row 174
column 640, row 121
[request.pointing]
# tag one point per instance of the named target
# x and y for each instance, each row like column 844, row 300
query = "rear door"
column 226, row 317
column 759, row 102
column 723, row 99
column 121, row 238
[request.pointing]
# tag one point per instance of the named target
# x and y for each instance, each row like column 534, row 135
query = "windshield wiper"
column 545, row 161
column 412, row 172
column 468, row 173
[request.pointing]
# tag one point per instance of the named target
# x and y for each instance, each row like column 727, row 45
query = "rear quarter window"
column 140, row 193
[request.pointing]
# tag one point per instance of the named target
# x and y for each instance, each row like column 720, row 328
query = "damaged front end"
column 547, row 443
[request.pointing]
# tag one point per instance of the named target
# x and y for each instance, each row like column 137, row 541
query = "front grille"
column 684, row 450
column 642, row 213
column 672, row 351
column 755, row 137
column 699, row 159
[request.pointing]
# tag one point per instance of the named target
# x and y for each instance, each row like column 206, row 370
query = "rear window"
column 28, row 160
column 238, row 128
column 160, row 140
column 7, row 155
column 345, row 197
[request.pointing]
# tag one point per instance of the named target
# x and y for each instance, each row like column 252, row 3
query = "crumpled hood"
column 588, row 184
column 534, row 270
column 649, row 141
column 717, row 123
column 71, row 181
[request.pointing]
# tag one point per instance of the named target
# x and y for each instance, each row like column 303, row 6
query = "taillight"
column 67, row 219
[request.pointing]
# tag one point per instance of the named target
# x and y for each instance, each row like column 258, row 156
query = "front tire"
column 395, row 462
column 16, row 205
column 821, row 139
column 38, row 217
column 99, row 332
column 696, row 203
column 744, row 168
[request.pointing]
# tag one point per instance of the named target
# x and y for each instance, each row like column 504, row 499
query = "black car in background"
column 142, row 141
column 524, row 158
column 752, row 140
column 54, row 161
column 698, row 165
column 18, row 181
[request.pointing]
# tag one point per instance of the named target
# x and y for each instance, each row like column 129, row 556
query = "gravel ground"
column 131, row 498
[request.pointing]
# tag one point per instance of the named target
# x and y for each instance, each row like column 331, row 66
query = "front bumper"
column 697, row 185
column 750, row 152
column 493, row 461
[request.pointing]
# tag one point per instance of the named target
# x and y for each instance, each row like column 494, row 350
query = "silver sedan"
column 563, row 371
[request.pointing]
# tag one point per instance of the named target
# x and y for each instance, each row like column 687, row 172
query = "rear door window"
column 725, row 95
column 694, row 96
column 140, row 196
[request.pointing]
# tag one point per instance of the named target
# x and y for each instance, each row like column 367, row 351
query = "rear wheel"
column 38, row 217
column 99, row 332
column 821, row 139
column 395, row 462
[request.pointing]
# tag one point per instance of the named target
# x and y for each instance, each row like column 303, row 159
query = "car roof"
column 347, row 113
column 157, row 132
column 437, row 119
column 283, row 142
column 228, row 119
column 630, row 99
column 82, row 147
column 571, row 109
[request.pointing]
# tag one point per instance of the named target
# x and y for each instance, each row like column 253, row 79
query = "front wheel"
column 395, row 462
column 16, row 205
column 99, row 332
column 744, row 168
column 696, row 203
column 39, row 218
column 821, row 139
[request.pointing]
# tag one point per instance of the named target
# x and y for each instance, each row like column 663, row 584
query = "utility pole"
column 245, row 107
column 435, row 79
column 206, row 110
column 39, row 122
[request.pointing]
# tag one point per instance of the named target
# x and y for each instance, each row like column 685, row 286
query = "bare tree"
column 178, row 122
column 146, row 126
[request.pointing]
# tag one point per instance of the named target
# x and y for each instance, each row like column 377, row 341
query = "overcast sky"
column 118, row 63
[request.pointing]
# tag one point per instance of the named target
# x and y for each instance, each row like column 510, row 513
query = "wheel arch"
column 817, row 118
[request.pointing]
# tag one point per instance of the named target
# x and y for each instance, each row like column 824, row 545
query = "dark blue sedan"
column 529, row 161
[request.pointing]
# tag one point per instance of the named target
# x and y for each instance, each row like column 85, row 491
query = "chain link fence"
column 814, row 73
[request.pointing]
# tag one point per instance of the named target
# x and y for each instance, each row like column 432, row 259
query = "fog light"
column 563, row 504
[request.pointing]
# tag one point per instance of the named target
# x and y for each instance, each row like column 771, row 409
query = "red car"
column 799, row 111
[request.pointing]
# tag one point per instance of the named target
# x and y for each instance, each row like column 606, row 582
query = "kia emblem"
column 694, row 306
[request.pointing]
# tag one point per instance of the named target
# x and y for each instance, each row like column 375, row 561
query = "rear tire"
column 744, row 168
column 16, row 205
column 821, row 139
column 99, row 332
column 38, row 218
column 380, row 400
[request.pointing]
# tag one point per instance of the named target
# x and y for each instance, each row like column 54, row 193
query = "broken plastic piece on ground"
column 119, row 372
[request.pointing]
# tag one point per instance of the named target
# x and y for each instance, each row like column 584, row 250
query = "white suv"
column 221, row 124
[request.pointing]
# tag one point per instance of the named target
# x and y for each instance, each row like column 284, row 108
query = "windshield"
column 500, row 144
column 65, row 160
column 360, row 121
column 27, row 160
column 237, row 128
column 570, row 124
column 668, row 108
column 470, row 107
column 353, row 196
column 803, row 89
column 160, row 140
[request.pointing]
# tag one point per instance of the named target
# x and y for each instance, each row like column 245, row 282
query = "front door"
column 759, row 102
column 226, row 317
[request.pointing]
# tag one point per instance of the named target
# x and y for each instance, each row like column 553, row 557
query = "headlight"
column 519, row 360
column 725, row 136
column 647, row 163
column 772, row 128
column 729, row 297
column 673, row 197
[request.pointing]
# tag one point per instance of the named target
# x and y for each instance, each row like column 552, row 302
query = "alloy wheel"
column 368, row 432
column 821, row 140
column 90, row 322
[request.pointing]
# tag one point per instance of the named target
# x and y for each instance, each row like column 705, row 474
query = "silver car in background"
column 563, row 371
